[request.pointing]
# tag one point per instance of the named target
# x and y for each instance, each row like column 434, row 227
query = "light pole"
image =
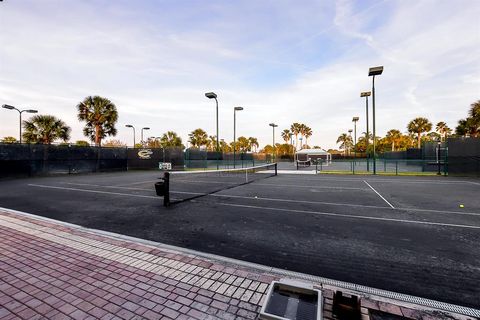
column 141, row 134
column 273, row 125
column 212, row 95
column 234, row 131
column 350, row 134
column 372, row 72
column 130, row 126
column 366, row 94
column 9, row 107
column 291, row 144
column 355, row 119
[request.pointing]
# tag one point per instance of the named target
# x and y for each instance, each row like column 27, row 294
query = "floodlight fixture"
column 365, row 94
column 9, row 107
column 375, row 71
column 211, row 95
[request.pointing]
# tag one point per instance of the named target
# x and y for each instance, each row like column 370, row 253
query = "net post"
column 275, row 168
column 166, row 186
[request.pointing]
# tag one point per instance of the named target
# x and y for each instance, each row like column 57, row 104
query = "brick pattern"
column 50, row 274
column 51, row 271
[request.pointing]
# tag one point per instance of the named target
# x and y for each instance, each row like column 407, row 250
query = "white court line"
column 475, row 183
column 351, row 216
column 219, row 195
column 379, row 194
column 371, row 179
column 92, row 191
column 140, row 182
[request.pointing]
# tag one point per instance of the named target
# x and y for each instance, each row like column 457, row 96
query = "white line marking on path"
column 475, row 183
column 379, row 194
column 352, row 216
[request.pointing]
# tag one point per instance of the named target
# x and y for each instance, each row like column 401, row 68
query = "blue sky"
column 283, row 61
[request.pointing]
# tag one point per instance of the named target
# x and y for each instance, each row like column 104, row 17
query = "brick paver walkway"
column 52, row 271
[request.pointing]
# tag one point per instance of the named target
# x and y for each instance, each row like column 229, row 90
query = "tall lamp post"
column 9, row 107
column 212, row 95
column 235, row 132
column 350, row 134
column 291, row 144
column 355, row 119
column 372, row 72
column 366, row 94
column 273, row 125
column 141, row 134
column 130, row 126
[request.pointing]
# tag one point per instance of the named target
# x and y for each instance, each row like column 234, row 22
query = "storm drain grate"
column 292, row 300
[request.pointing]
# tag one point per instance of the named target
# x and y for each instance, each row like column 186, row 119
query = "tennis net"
column 180, row 186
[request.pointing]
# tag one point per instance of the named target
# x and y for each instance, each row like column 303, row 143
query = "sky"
column 283, row 61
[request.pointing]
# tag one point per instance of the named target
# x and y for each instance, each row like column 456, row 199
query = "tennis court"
column 403, row 234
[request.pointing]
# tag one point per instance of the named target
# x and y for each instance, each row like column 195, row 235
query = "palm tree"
column 243, row 144
column 418, row 126
column 225, row 147
column 393, row 137
column 198, row 138
column 253, row 144
column 285, row 135
column 170, row 139
column 474, row 117
column 212, row 143
column 345, row 141
column 307, row 133
column 45, row 129
column 9, row 140
column 295, row 129
column 114, row 143
column 443, row 130
column 100, row 116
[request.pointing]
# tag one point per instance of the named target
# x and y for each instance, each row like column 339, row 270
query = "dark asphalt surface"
column 327, row 225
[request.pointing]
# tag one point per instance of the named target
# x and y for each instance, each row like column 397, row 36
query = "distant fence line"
column 40, row 159
column 459, row 156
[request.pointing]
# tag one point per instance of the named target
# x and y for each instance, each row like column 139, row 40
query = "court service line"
column 350, row 216
column 371, row 179
column 379, row 194
column 91, row 191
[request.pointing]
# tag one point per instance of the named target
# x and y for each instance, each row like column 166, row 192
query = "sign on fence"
column 165, row 165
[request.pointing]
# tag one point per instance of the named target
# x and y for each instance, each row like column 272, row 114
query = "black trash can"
column 160, row 188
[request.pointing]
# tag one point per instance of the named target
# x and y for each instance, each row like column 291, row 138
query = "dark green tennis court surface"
column 404, row 234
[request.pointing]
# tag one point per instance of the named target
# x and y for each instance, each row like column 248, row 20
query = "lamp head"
column 355, row 119
column 211, row 95
column 31, row 111
column 350, row 130
column 238, row 108
column 128, row 126
column 365, row 94
column 146, row 128
column 7, row 106
column 375, row 71
column 273, row 125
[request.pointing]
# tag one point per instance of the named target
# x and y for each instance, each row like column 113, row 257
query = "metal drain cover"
column 292, row 300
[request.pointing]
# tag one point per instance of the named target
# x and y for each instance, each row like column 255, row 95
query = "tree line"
column 419, row 130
